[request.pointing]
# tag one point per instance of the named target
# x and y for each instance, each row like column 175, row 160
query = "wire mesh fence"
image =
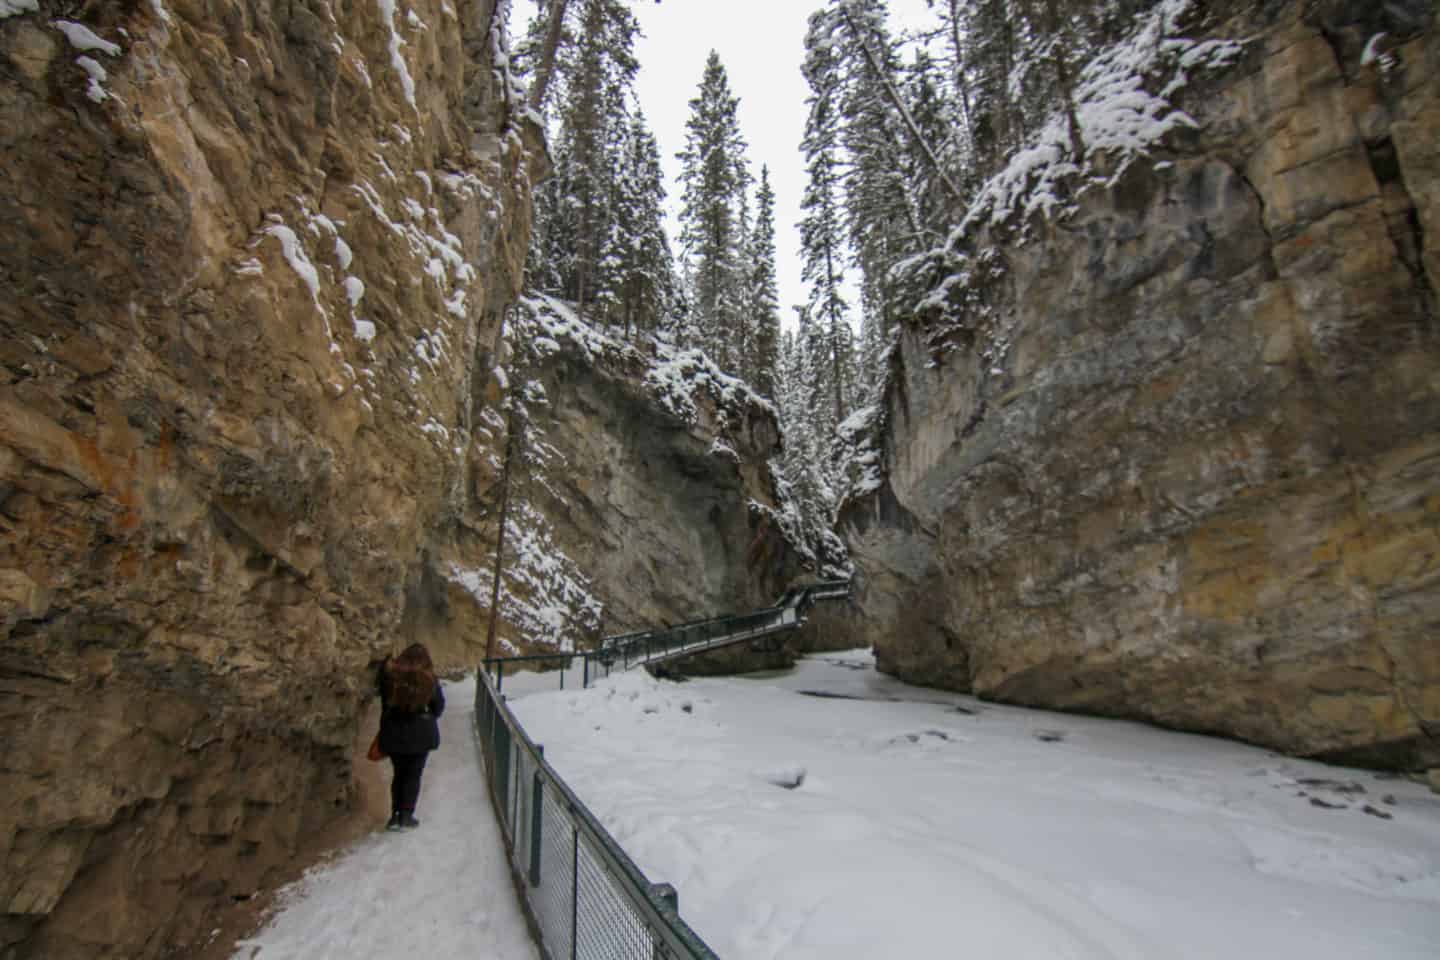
column 585, row 897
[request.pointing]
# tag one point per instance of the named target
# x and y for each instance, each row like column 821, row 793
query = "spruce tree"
column 586, row 214
column 821, row 226
column 764, row 299
column 644, row 266
column 715, row 177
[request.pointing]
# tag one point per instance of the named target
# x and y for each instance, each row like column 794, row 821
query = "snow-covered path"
column 883, row 820
column 440, row 891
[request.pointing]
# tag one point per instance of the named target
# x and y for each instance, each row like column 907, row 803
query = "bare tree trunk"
column 899, row 104
column 835, row 322
column 961, row 87
column 513, row 445
column 1060, row 60
column 553, row 32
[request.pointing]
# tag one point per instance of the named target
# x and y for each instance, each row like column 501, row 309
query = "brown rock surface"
column 246, row 276
column 1201, row 485
column 645, row 496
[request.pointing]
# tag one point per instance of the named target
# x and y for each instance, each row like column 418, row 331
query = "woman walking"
column 411, row 702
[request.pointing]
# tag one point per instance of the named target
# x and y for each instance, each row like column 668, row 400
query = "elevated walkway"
column 664, row 644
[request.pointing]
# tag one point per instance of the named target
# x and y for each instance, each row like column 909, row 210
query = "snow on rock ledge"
column 1173, row 454
column 224, row 471
column 646, row 491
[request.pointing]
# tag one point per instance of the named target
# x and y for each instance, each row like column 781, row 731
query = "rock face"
column 256, row 259
column 251, row 252
column 642, row 492
column 1188, row 467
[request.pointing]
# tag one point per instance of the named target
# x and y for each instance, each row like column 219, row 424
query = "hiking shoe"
column 395, row 821
column 408, row 821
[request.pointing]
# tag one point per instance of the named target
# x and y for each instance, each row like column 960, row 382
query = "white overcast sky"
column 761, row 44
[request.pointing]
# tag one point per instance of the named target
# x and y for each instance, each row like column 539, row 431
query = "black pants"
column 405, row 784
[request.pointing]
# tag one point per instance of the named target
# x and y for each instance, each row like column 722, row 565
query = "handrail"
column 658, row 910
column 643, row 647
column 516, row 767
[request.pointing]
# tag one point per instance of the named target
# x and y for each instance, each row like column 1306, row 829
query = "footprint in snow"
column 789, row 778
column 923, row 737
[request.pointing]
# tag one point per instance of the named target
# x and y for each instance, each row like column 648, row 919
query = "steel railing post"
column 536, row 800
column 669, row 896
column 574, row 889
column 514, row 785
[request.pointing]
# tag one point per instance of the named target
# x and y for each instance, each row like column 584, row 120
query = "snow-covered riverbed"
column 883, row 820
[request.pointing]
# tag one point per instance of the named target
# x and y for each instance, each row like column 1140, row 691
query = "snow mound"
column 676, row 377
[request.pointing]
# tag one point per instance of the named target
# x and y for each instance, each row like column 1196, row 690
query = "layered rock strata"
column 641, row 492
column 250, row 253
column 1184, row 463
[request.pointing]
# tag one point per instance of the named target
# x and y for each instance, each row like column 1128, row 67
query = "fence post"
column 536, row 798
column 574, row 889
column 668, row 895
column 515, row 787
column 499, row 675
column 585, row 676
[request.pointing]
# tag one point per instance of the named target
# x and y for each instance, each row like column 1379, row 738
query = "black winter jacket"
column 407, row 731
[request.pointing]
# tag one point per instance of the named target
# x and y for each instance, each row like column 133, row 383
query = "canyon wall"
column 641, row 490
column 258, row 258
column 1179, row 459
column 250, row 252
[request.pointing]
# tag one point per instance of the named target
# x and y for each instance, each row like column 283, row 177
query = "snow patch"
column 343, row 254
column 397, row 59
column 11, row 8
column 1372, row 49
column 96, row 87
column 354, row 290
column 295, row 256
column 83, row 38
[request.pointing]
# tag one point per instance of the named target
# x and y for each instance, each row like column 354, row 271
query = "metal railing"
column 586, row 899
column 644, row 647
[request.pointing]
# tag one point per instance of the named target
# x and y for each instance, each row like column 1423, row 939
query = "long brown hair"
column 415, row 657
column 410, row 679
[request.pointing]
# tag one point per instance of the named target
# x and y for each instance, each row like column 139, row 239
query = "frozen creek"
column 884, row 820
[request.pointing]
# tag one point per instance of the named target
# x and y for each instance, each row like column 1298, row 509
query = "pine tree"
column 715, row 177
column 587, row 214
column 764, row 299
column 821, row 226
column 645, row 266
column 881, row 214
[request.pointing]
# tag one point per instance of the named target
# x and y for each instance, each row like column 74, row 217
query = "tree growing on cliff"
column 825, row 335
column 598, row 238
column 715, row 177
column 643, row 264
column 763, row 304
